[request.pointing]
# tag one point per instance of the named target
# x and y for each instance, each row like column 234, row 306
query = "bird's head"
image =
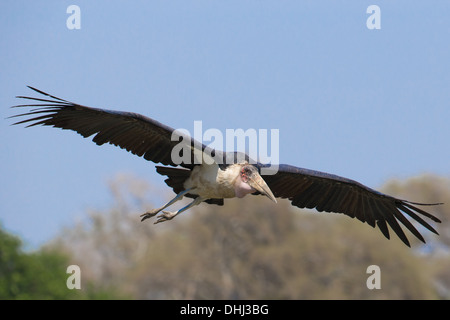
column 252, row 181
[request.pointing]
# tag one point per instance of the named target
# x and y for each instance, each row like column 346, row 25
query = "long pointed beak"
column 258, row 183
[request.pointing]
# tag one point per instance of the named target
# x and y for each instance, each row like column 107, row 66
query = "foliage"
column 37, row 275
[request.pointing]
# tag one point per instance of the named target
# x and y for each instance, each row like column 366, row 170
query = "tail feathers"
column 176, row 177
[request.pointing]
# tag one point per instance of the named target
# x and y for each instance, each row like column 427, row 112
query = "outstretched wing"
column 326, row 192
column 136, row 133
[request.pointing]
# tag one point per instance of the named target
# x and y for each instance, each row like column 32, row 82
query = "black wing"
column 326, row 192
column 136, row 133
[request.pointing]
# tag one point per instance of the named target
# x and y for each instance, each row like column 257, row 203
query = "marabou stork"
column 212, row 182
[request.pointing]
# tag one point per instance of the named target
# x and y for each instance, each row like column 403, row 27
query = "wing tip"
column 412, row 205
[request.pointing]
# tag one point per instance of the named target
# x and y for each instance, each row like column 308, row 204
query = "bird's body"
column 213, row 181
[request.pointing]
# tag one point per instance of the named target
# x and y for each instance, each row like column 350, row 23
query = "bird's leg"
column 170, row 215
column 153, row 212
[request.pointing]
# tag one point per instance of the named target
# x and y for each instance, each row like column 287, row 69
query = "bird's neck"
column 241, row 188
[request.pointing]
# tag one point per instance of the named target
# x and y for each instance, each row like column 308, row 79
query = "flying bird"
column 219, row 178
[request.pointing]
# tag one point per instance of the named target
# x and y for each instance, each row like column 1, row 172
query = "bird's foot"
column 149, row 214
column 165, row 216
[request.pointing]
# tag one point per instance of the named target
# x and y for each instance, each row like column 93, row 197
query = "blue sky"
column 369, row 105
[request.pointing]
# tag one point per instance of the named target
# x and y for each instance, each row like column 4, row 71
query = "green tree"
column 37, row 275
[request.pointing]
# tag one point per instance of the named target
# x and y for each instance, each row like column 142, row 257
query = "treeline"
column 40, row 275
column 248, row 249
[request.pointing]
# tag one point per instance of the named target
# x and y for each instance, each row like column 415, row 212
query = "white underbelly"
column 209, row 182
